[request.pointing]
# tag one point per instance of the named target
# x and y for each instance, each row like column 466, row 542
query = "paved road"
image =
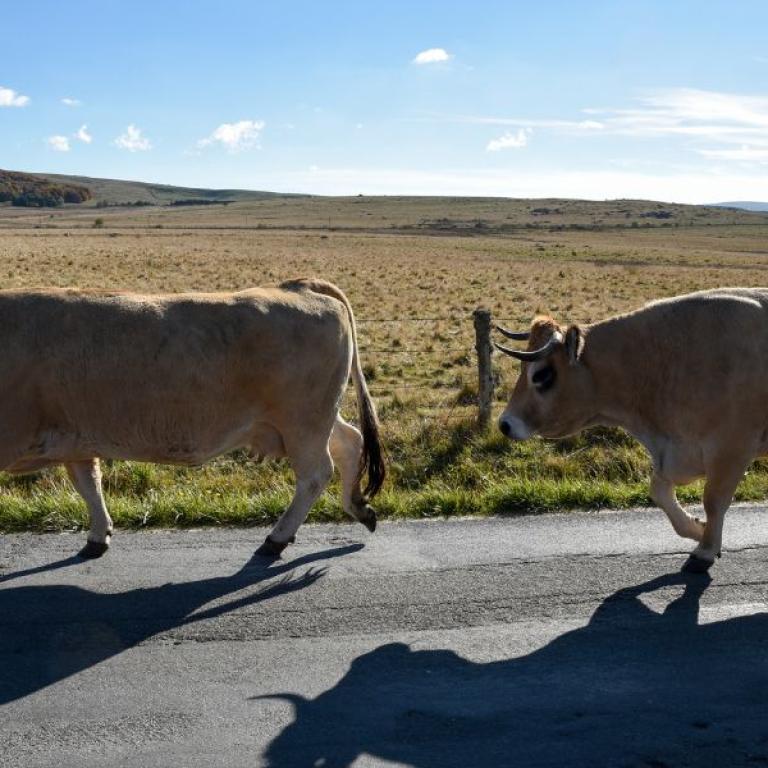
column 562, row 640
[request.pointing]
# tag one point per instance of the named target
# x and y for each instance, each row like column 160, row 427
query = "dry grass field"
column 414, row 273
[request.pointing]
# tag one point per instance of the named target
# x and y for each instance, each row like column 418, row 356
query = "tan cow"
column 179, row 379
column 686, row 376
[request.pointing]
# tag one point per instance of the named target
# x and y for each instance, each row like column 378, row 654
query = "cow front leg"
column 347, row 450
column 86, row 477
column 720, row 486
column 663, row 493
column 313, row 471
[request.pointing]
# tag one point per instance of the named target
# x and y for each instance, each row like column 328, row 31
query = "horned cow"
column 687, row 376
column 180, row 379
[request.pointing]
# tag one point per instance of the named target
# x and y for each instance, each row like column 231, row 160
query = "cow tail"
column 372, row 465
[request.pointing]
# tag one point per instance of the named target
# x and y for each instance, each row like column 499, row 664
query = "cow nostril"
column 504, row 427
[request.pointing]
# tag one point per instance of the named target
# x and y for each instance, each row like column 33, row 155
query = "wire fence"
column 448, row 399
column 376, row 321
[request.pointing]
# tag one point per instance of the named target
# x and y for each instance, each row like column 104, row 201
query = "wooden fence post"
column 482, row 319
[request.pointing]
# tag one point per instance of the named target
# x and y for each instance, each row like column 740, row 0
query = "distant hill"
column 32, row 191
column 189, row 206
column 120, row 192
column 744, row 205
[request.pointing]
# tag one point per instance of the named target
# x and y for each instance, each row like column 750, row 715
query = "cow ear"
column 574, row 344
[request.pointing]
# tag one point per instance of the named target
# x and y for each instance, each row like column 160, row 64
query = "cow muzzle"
column 514, row 428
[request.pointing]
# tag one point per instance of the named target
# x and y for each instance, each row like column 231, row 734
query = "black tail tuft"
column 372, row 459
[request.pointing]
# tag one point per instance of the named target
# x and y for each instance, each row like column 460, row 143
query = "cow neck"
column 622, row 369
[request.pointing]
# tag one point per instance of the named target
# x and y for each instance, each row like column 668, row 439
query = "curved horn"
column 535, row 354
column 516, row 335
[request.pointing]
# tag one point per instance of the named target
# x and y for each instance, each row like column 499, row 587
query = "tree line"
column 24, row 190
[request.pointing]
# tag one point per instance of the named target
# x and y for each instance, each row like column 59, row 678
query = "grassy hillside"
column 139, row 205
column 118, row 192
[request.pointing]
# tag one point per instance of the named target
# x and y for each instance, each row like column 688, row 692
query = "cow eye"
column 544, row 379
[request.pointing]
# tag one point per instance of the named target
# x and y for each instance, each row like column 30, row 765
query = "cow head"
column 554, row 395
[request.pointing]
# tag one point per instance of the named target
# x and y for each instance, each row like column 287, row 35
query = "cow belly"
column 189, row 447
column 186, row 446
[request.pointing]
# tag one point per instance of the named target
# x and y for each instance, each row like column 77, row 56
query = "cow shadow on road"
column 633, row 687
column 49, row 632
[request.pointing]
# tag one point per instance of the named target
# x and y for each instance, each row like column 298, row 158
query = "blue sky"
column 664, row 100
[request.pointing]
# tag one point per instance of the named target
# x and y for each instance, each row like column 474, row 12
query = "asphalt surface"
column 560, row 640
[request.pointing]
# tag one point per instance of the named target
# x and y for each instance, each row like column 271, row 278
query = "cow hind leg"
column 347, row 449
column 313, row 468
column 86, row 477
column 718, row 493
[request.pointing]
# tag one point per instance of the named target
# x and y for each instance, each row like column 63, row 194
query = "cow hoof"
column 696, row 564
column 367, row 516
column 93, row 549
column 272, row 548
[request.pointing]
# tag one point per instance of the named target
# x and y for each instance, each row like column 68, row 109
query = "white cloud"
column 9, row 98
column 67, row 102
column 695, row 105
column 62, row 143
column 709, row 117
column 566, row 126
column 235, row 136
column 509, row 141
column 727, row 117
column 589, row 125
column 744, row 153
column 132, row 140
column 58, row 143
column 432, row 56
column 83, row 135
